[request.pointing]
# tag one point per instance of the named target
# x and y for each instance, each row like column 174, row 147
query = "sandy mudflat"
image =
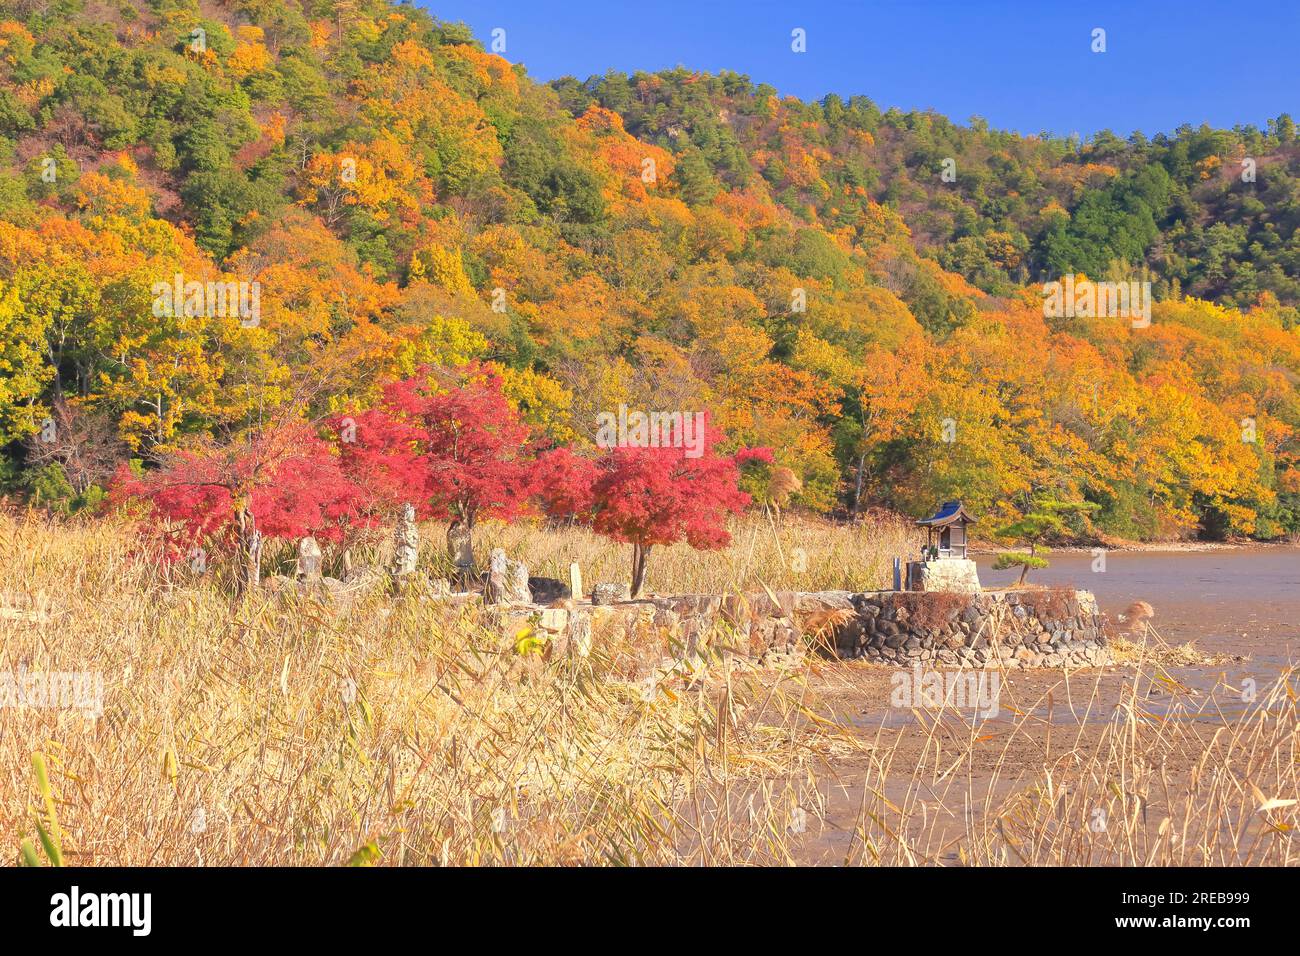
column 956, row 774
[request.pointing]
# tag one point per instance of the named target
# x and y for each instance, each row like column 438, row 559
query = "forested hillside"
column 397, row 196
column 1012, row 210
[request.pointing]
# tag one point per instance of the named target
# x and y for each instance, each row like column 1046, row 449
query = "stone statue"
column 507, row 581
column 519, row 590
column 406, row 550
column 309, row 561
column 460, row 549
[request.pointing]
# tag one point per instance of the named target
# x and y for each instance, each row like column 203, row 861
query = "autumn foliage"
column 402, row 199
column 450, row 443
column 284, row 483
column 659, row 496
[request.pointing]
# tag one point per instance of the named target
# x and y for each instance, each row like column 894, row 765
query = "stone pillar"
column 520, row 593
column 309, row 561
column 608, row 592
column 497, row 578
column 406, row 547
column 507, row 581
column 460, row 549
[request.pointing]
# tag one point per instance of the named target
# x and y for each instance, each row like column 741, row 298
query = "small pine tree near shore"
column 1046, row 519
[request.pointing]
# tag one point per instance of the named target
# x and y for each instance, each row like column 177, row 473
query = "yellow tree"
column 23, row 372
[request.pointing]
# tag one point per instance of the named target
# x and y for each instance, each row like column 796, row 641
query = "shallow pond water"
column 1230, row 601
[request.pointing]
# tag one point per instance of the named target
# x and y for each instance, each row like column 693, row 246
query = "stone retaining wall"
column 1025, row 628
column 1028, row 628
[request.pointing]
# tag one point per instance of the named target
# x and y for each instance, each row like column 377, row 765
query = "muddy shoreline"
column 1140, row 741
column 960, row 775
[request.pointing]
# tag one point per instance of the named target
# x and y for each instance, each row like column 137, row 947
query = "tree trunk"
column 1024, row 568
column 857, row 489
column 640, row 553
column 249, row 574
column 252, row 561
column 460, row 549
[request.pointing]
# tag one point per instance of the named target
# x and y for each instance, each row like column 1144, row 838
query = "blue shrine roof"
column 949, row 512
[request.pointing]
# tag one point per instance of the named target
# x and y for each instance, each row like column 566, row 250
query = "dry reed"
column 273, row 731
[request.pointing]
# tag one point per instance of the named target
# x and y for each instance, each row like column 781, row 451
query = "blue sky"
column 1022, row 66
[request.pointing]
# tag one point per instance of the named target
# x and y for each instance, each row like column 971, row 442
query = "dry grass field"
column 282, row 731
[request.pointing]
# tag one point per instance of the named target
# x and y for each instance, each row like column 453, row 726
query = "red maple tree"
column 381, row 453
column 449, row 442
column 563, row 483
column 653, row 496
column 283, row 482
